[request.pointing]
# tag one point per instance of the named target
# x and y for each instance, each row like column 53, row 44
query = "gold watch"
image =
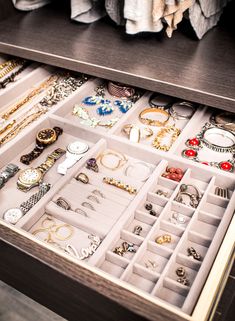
column 31, row 177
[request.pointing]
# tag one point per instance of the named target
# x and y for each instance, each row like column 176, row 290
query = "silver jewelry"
column 223, row 119
column 161, row 193
column 98, row 193
column 177, row 219
column 134, row 166
column 194, row 198
column 192, row 252
column 88, row 205
column 152, row 265
column 13, row 215
column 80, row 211
column 85, row 252
column 222, row 192
column 137, row 230
column 205, row 139
column 61, row 202
column 75, row 151
column 7, row 173
column 93, row 198
column 176, row 110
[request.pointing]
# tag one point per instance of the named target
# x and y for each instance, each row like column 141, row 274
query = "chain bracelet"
column 43, row 189
column 12, row 77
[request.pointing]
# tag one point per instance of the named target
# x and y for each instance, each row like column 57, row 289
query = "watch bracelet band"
column 39, row 148
column 7, row 173
column 12, row 77
column 51, row 159
column 43, row 189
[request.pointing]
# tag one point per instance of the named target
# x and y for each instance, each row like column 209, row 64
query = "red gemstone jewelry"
column 196, row 143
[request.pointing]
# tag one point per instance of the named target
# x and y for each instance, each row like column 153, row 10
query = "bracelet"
column 120, row 157
column 10, row 65
column 135, row 133
column 163, row 132
column 225, row 120
column 175, row 110
column 216, row 147
column 143, row 179
column 153, row 122
column 119, row 184
column 12, row 77
column 120, row 90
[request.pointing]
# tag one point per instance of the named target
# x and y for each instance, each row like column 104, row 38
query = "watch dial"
column 30, row 176
column 77, row 147
column 13, row 215
column 45, row 135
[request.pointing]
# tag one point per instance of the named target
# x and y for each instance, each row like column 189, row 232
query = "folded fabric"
column 200, row 23
column 173, row 14
column 87, row 11
column 139, row 17
column 114, row 9
column 28, row 5
column 211, row 7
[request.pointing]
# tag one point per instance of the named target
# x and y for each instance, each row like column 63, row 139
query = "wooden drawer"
column 74, row 288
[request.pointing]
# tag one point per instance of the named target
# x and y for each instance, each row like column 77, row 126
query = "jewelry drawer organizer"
column 118, row 207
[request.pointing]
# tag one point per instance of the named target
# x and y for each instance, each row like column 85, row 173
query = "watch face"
column 13, row 215
column 46, row 136
column 77, row 147
column 30, row 176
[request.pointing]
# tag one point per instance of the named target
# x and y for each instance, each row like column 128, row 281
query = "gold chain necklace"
column 9, row 66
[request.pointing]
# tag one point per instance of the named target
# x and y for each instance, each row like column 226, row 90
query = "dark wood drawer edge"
column 65, row 287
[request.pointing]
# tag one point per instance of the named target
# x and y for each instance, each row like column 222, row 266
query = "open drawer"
column 109, row 280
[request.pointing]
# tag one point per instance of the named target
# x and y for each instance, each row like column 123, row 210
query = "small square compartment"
column 126, row 236
column 114, row 264
column 153, row 253
column 171, row 296
column 145, row 227
column 141, row 283
column 214, row 209
column 174, row 238
column 189, row 273
column 203, row 228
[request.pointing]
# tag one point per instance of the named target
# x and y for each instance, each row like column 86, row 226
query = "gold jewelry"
column 163, row 132
column 68, row 227
column 166, row 238
column 21, row 125
column 119, row 184
column 6, row 115
column 82, row 177
column 49, row 220
column 8, row 66
column 153, row 122
column 121, row 159
column 144, row 133
column 43, row 230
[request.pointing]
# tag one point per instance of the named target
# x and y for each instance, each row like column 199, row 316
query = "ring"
column 192, row 252
column 93, row 198
column 161, row 193
column 88, row 205
column 80, row 211
column 63, row 203
column 82, row 178
column 92, row 164
column 180, row 271
column 98, row 193
column 177, row 219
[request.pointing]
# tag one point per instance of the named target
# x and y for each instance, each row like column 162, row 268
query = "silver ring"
column 80, row 211
column 61, row 202
column 93, row 198
column 98, row 193
column 88, row 205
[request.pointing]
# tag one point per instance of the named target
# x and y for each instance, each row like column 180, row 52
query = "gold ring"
column 82, row 178
column 68, row 227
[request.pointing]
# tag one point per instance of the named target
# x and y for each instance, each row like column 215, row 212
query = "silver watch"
column 13, row 215
column 7, row 173
column 75, row 151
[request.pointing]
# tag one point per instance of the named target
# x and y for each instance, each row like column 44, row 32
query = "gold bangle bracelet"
column 121, row 159
column 153, row 122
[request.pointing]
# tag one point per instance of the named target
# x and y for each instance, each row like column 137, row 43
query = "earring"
column 105, row 108
column 123, row 105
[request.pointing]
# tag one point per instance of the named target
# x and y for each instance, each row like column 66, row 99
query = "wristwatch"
column 44, row 138
column 13, row 215
column 31, row 177
column 7, row 173
column 75, row 151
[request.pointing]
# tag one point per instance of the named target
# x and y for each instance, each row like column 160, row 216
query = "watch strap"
column 26, row 206
column 39, row 148
column 51, row 159
column 7, row 173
